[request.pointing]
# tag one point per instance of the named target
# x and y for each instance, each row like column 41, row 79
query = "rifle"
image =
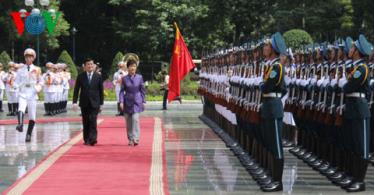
column 301, row 109
column 339, row 118
column 321, row 116
column 330, row 119
column 258, row 104
column 310, row 112
column 288, row 102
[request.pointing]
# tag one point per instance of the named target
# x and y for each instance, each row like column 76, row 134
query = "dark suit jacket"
column 89, row 94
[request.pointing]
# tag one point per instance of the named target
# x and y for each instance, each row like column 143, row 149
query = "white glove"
column 304, row 83
column 342, row 82
column 313, row 81
column 333, row 82
column 293, row 80
column 298, row 82
column 319, row 82
column 257, row 81
column 251, row 81
column 38, row 88
column 287, row 80
column 325, row 82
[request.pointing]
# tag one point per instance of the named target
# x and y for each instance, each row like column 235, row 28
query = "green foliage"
column 189, row 88
column 65, row 58
column 154, row 89
column 118, row 57
column 296, row 37
column 4, row 59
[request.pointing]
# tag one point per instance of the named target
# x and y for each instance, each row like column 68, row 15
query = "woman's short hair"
column 131, row 62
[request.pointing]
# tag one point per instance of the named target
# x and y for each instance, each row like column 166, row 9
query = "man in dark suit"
column 89, row 86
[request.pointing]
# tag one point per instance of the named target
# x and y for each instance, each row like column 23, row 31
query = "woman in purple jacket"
column 132, row 100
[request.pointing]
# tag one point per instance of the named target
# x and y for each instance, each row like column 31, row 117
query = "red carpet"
column 110, row 167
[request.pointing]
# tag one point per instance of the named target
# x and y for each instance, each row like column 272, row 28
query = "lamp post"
column 74, row 31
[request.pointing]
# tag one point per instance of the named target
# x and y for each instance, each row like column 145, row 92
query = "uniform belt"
column 272, row 95
column 357, row 94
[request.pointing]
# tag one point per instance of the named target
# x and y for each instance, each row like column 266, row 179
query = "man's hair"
column 87, row 60
column 131, row 62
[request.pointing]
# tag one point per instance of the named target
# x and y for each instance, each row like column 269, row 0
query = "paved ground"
column 198, row 161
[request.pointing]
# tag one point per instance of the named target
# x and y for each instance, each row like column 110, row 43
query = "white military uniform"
column 10, row 89
column 2, row 85
column 28, row 82
column 2, row 88
column 60, row 89
column 49, row 88
column 66, row 87
column 117, row 82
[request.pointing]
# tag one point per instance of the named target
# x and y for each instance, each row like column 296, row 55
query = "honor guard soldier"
column 10, row 89
column 272, row 110
column 66, row 76
column 48, row 89
column 117, row 78
column 2, row 87
column 357, row 116
column 370, row 99
column 60, row 87
column 28, row 81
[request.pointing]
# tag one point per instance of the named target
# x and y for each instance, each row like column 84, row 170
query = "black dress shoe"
column 307, row 155
column 301, row 153
column 252, row 167
column 93, row 143
column 28, row 138
column 330, row 171
column 257, row 171
column 265, row 181
column 316, row 163
column 250, row 163
column 288, row 144
column 337, row 176
column 323, row 167
column 260, row 177
column 344, row 182
column 246, row 159
column 311, row 159
column 272, row 187
column 86, row 143
column 295, row 149
column 19, row 128
column 355, row 187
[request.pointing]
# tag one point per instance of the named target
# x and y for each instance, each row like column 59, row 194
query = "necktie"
column 28, row 68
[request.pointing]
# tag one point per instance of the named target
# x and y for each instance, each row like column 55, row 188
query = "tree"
column 5, row 59
column 65, row 58
column 118, row 57
column 296, row 37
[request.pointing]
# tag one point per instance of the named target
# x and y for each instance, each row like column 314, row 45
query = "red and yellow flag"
column 181, row 64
